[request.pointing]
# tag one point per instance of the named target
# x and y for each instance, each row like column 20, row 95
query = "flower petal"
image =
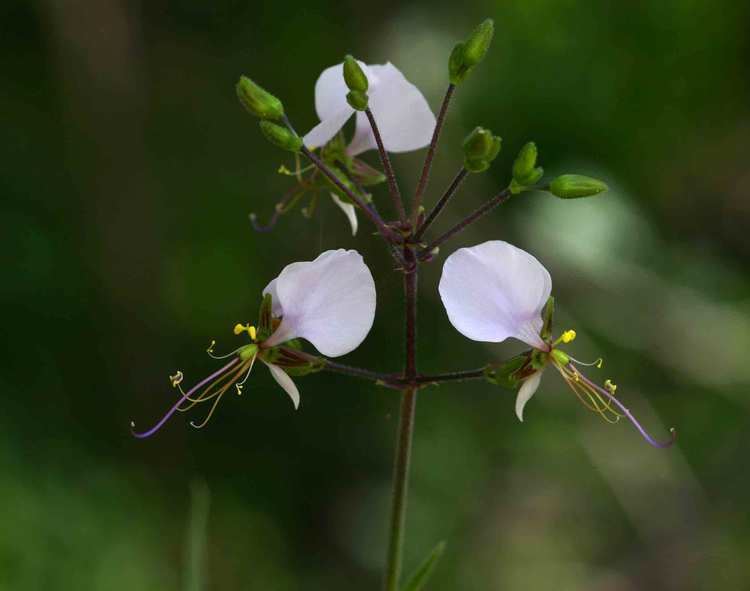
column 493, row 291
column 526, row 391
column 282, row 379
column 327, row 128
column 403, row 116
column 329, row 301
column 363, row 139
column 349, row 211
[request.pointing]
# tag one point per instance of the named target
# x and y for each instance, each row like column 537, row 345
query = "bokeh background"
column 127, row 171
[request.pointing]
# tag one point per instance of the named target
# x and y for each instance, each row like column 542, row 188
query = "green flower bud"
column 354, row 76
column 357, row 100
column 480, row 148
column 478, row 43
column 258, row 101
column 457, row 71
column 573, row 186
column 281, row 136
column 525, row 163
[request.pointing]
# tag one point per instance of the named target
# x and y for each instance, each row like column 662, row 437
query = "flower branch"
column 388, row 168
column 440, row 205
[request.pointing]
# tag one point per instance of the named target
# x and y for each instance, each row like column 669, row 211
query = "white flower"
column 403, row 116
column 493, row 291
column 329, row 302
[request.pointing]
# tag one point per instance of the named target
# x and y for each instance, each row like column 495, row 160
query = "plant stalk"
column 387, row 168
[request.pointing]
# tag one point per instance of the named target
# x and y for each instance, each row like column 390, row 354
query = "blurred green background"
column 127, row 171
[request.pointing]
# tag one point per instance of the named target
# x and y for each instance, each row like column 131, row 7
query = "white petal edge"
column 526, row 391
column 325, row 130
column 349, row 211
column 495, row 290
column 282, row 379
column 329, row 301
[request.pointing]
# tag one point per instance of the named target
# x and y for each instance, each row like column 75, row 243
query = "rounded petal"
column 329, row 301
column 403, row 116
column 349, row 211
column 493, row 291
column 327, row 128
column 282, row 379
column 526, row 391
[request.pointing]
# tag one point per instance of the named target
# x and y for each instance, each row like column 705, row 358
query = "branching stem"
column 387, row 168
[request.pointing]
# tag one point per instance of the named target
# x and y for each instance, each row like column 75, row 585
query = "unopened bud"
column 478, row 43
column 357, row 100
column 468, row 54
column 258, row 101
column 525, row 163
column 281, row 136
column 354, row 76
column 573, row 186
column 480, row 149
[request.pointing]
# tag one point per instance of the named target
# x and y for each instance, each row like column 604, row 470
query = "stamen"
column 627, row 413
column 210, row 352
column 171, row 411
column 611, row 388
column 598, row 363
column 176, row 379
column 567, row 337
column 250, row 330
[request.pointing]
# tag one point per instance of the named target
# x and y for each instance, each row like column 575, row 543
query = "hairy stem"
column 405, row 430
column 425, row 176
column 388, row 169
column 501, row 197
column 440, row 205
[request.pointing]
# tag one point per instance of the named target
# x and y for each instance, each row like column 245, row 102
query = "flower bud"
column 525, row 163
column 572, row 186
column 478, row 43
column 258, row 101
column 457, row 72
column 480, row 149
column 281, row 136
column 468, row 54
column 357, row 100
column 354, row 76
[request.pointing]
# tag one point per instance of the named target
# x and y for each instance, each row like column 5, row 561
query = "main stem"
column 405, row 429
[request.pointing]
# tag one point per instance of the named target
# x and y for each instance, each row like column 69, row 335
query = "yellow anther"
column 252, row 332
column 176, row 379
column 599, row 363
column 610, row 387
column 211, row 347
column 568, row 336
column 239, row 329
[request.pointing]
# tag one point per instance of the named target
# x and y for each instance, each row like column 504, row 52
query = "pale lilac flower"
column 329, row 302
column 494, row 291
column 403, row 116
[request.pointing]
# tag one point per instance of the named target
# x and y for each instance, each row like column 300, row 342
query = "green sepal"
column 480, row 149
column 258, row 101
column 457, row 71
column 294, row 365
column 265, row 318
column 335, row 151
column 574, row 186
column 357, row 100
column 478, row 43
column 547, row 316
column 281, row 137
column 538, row 359
column 420, row 577
column 354, row 77
column 524, row 163
column 365, row 174
column 508, row 374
